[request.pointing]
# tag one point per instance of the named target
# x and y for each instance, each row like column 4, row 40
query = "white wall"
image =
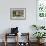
column 24, row 25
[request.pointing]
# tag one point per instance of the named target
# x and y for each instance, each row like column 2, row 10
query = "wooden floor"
column 13, row 44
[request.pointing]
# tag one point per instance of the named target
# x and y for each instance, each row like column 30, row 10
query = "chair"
column 14, row 32
column 7, row 35
column 25, row 37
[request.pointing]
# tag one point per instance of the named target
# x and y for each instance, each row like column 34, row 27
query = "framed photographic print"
column 17, row 13
column 41, row 8
column 41, row 12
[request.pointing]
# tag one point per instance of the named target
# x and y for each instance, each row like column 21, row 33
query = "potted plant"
column 39, row 35
column 42, row 27
column 38, row 27
column 35, row 26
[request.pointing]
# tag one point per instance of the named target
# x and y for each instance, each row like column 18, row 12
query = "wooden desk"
column 8, row 34
column 17, row 43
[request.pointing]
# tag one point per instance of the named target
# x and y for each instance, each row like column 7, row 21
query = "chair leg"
column 5, row 43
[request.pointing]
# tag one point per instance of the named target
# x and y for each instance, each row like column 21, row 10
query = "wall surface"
column 24, row 25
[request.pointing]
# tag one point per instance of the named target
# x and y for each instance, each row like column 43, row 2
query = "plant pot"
column 40, row 40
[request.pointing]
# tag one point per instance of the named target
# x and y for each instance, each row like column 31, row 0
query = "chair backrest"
column 14, row 30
